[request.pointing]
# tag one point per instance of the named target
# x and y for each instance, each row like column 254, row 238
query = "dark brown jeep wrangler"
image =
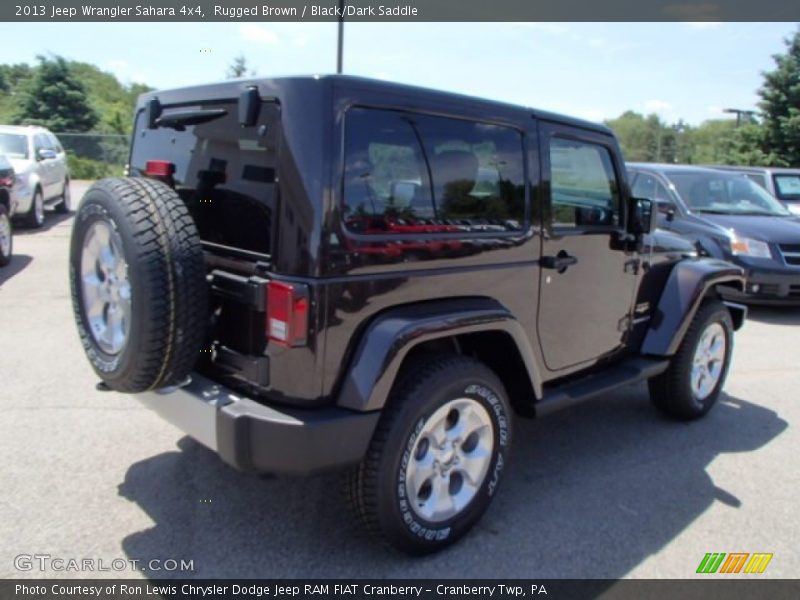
column 315, row 273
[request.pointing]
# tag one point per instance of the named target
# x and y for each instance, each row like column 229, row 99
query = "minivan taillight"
column 287, row 313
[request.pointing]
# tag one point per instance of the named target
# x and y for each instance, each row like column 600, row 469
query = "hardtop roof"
column 271, row 86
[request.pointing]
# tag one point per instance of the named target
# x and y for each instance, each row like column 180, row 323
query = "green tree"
column 780, row 106
column 56, row 99
column 238, row 68
column 710, row 141
column 745, row 146
column 648, row 139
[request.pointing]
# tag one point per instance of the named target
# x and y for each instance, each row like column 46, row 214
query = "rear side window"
column 410, row 169
column 787, row 186
column 583, row 186
column 225, row 173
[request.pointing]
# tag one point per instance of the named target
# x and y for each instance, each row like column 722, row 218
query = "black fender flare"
column 687, row 285
column 387, row 340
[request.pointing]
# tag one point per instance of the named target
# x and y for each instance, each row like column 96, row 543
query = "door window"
column 584, row 191
column 54, row 144
column 647, row 186
column 40, row 143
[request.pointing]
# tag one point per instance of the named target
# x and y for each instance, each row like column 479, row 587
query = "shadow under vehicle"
column 635, row 490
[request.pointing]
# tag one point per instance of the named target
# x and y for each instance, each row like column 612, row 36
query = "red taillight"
column 159, row 168
column 287, row 313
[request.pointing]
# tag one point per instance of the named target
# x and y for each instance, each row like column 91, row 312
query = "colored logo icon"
column 735, row 562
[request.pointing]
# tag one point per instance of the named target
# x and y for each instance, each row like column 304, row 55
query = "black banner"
column 400, row 10
column 722, row 588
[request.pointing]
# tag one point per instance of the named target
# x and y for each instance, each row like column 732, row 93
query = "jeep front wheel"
column 436, row 459
column 690, row 386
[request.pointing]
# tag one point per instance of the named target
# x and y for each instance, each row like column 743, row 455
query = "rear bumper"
column 255, row 437
column 769, row 287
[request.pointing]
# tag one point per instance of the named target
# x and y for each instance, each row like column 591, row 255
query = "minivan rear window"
column 420, row 170
column 225, row 173
column 14, row 145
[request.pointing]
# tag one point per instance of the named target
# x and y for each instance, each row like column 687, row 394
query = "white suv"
column 41, row 166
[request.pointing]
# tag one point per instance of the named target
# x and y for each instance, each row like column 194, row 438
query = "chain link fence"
column 95, row 155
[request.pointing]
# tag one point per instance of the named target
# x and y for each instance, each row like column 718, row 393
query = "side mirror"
column 45, row 154
column 641, row 216
column 666, row 208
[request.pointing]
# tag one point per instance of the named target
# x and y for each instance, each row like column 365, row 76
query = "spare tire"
column 138, row 284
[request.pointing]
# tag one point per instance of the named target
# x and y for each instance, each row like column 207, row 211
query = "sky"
column 590, row 70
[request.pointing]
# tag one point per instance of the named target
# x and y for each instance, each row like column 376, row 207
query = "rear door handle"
column 560, row 262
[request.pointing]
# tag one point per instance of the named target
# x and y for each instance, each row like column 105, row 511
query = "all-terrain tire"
column 377, row 489
column 163, row 263
column 672, row 392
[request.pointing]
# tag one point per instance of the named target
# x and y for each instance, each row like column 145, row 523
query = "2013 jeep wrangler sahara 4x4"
column 330, row 272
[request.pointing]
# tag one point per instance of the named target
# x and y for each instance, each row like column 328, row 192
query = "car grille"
column 791, row 254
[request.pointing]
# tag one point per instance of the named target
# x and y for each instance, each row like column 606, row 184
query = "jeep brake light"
column 159, row 168
column 287, row 313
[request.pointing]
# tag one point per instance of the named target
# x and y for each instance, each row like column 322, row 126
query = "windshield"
column 14, row 145
column 788, row 186
column 723, row 193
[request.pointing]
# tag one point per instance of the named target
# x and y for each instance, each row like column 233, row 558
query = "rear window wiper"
column 179, row 120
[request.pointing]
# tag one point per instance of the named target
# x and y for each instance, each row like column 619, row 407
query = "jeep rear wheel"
column 436, row 459
column 138, row 284
column 691, row 385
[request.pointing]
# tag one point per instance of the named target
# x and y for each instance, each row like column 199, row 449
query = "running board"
column 626, row 373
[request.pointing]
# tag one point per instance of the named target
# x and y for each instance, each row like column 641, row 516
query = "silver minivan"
column 41, row 167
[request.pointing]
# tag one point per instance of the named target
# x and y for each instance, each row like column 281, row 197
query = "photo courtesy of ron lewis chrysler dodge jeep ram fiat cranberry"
column 318, row 273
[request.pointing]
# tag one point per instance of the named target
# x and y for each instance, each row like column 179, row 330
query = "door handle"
column 560, row 262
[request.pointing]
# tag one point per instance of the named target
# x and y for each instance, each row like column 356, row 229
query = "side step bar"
column 626, row 373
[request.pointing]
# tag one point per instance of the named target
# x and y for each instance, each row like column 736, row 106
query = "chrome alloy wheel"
column 450, row 459
column 105, row 286
column 38, row 207
column 708, row 361
column 67, row 197
column 5, row 235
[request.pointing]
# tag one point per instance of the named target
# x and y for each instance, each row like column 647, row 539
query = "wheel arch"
column 35, row 183
column 688, row 285
column 479, row 327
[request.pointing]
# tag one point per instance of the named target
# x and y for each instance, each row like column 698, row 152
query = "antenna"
column 340, row 41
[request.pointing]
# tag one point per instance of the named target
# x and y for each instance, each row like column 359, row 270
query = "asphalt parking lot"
column 604, row 490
